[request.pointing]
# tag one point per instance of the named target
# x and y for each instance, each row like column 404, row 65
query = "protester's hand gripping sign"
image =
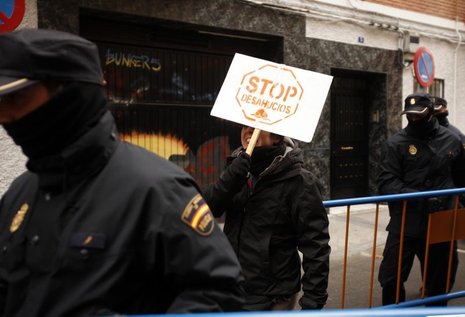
column 273, row 97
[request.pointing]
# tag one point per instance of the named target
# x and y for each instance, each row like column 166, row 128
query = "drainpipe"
column 455, row 65
column 354, row 4
column 351, row 2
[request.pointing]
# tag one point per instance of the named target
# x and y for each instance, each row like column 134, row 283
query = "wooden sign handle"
column 253, row 141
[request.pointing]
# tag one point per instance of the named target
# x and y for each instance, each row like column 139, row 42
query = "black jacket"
column 445, row 123
column 412, row 164
column 269, row 221
column 109, row 233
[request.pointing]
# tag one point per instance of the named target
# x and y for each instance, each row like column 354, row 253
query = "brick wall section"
column 449, row 9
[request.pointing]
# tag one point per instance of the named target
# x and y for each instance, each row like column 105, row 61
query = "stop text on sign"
column 269, row 94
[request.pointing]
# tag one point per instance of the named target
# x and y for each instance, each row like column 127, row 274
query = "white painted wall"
column 384, row 27
column 12, row 161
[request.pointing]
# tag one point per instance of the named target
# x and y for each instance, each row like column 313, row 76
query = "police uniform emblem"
column 198, row 216
column 412, row 149
column 19, row 217
column 412, row 101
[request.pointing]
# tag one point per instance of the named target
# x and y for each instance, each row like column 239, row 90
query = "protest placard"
column 272, row 97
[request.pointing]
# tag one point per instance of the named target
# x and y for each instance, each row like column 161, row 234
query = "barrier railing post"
column 346, row 246
column 373, row 256
column 401, row 250
column 425, row 263
column 451, row 248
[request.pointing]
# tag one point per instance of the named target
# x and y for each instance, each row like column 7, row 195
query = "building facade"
column 165, row 61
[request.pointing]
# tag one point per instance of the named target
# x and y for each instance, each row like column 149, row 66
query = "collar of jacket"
column 283, row 165
column 292, row 159
column 421, row 134
column 81, row 159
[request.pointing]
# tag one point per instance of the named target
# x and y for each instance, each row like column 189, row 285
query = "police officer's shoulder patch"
column 197, row 215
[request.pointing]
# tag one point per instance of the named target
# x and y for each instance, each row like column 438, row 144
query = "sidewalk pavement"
column 359, row 253
column 361, row 228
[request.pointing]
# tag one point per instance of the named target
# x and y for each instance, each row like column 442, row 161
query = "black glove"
column 219, row 195
column 235, row 175
column 434, row 204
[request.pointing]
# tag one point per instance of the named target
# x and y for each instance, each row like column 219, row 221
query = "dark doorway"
column 349, row 134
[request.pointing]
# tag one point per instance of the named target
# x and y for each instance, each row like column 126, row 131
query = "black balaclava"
column 442, row 118
column 424, row 127
column 55, row 125
column 263, row 156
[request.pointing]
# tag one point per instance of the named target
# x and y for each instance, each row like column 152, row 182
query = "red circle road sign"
column 11, row 14
column 423, row 64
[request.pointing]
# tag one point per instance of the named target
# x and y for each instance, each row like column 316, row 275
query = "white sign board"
column 272, row 97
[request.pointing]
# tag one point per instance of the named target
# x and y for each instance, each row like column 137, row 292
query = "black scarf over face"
column 263, row 156
column 442, row 118
column 58, row 123
column 422, row 128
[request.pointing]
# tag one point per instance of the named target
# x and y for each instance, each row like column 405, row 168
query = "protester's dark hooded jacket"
column 267, row 218
column 99, row 226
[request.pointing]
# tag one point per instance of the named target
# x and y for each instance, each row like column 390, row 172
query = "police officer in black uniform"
column 421, row 157
column 96, row 225
column 442, row 112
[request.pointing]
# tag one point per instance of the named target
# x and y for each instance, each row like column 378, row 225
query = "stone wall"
column 298, row 50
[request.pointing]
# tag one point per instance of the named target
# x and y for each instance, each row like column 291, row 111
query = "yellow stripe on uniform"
column 199, row 214
column 13, row 84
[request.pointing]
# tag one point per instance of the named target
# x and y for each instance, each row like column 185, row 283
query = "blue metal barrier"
column 425, row 301
column 407, row 312
column 395, row 197
column 398, row 197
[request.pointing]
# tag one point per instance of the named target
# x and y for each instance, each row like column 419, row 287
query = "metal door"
column 162, row 80
column 349, row 137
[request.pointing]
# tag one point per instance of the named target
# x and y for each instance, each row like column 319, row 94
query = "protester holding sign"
column 273, row 208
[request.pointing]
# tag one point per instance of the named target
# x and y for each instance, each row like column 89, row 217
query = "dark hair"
column 280, row 137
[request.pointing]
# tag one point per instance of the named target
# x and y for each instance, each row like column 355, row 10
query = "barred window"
column 436, row 88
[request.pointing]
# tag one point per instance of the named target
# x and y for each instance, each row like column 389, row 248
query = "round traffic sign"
column 11, row 14
column 423, row 64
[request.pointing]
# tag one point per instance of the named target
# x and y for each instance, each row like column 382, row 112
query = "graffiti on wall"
column 147, row 75
column 161, row 99
column 124, row 73
column 129, row 60
column 11, row 14
column 205, row 165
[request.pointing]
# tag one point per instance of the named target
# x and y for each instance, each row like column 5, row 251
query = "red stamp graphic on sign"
column 269, row 94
